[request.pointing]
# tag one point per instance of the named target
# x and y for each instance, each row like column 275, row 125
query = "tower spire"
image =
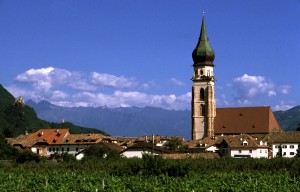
column 203, row 54
column 203, row 93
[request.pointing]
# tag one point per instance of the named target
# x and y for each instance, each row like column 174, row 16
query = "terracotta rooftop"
column 251, row 120
column 82, row 139
column 284, row 137
column 241, row 141
column 51, row 136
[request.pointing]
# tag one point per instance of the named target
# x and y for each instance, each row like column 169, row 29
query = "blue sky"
column 138, row 52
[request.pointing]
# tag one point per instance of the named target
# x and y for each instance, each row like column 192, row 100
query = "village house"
column 141, row 148
column 241, row 146
column 46, row 142
column 284, row 144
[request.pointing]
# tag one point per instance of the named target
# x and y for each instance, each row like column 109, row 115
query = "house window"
column 240, row 151
column 284, row 154
column 292, row 146
column 292, row 153
column 57, row 149
column 62, row 149
column 277, row 146
column 284, row 146
column 76, row 149
column 53, row 149
column 260, row 151
column 250, row 151
column 49, row 149
column 68, row 149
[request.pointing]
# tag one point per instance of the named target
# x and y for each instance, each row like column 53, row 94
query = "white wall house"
column 251, row 152
column 285, row 144
column 70, row 149
column 243, row 146
column 285, row 149
column 141, row 148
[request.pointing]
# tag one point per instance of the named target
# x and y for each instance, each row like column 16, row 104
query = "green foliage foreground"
column 152, row 174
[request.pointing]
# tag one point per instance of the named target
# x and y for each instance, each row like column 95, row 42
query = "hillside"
column 288, row 119
column 130, row 121
column 15, row 120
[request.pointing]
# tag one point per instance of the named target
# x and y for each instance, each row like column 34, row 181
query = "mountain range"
column 16, row 119
column 122, row 121
column 134, row 121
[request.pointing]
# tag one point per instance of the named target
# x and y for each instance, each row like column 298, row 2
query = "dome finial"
column 203, row 13
column 203, row 54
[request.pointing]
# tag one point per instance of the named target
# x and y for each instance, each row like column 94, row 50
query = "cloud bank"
column 71, row 89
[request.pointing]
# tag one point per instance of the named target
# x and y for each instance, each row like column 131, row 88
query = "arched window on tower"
column 202, row 94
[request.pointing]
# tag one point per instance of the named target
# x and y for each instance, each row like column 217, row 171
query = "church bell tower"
column 203, row 90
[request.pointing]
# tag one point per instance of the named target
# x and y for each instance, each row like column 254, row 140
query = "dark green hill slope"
column 288, row 119
column 16, row 119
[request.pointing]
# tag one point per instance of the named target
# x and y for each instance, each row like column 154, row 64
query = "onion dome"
column 203, row 54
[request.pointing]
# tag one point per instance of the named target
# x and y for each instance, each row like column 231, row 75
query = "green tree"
column 175, row 144
column 6, row 150
column 101, row 151
column 28, row 156
column 298, row 151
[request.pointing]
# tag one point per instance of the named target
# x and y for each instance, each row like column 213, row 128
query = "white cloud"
column 71, row 89
column 26, row 94
column 59, row 95
column 284, row 89
column 177, row 82
column 108, row 80
column 149, row 85
column 82, row 85
column 134, row 98
column 282, row 106
column 46, row 78
column 250, row 86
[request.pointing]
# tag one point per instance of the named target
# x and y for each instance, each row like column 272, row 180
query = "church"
column 209, row 121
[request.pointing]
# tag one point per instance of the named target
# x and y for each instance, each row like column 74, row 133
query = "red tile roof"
column 51, row 136
column 251, row 120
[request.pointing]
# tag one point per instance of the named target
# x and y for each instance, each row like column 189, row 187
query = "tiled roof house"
column 284, row 144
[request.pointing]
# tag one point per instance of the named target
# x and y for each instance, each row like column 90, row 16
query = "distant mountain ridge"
column 18, row 119
column 134, row 121
column 129, row 121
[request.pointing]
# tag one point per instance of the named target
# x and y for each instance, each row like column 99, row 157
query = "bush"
column 28, row 156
